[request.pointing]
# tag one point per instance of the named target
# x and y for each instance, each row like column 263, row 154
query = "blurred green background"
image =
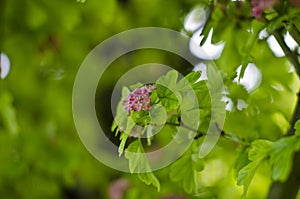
column 41, row 155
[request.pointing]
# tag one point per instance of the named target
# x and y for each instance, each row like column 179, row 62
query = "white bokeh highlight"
column 195, row 19
column 252, row 77
column 207, row 51
column 4, row 66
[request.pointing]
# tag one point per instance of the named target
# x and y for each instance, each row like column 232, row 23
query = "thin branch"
column 296, row 116
column 292, row 56
column 199, row 133
column 295, row 34
column 221, row 131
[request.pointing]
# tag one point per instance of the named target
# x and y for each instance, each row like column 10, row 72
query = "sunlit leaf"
column 281, row 157
column 149, row 178
column 167, row 98
column 184, row 171
column 130, row 124
column 138, row 163
column 260, row 149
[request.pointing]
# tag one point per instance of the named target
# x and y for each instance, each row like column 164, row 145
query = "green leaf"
column 276, row 23
column 153, row 97
column 167, row 98
column 281, row 157
column 246, row 60
column 246, row 174
column 130, row 124
column 198, row 163
column 138, row 163
column 215, row 82
column 149, row 134
column 297, row 128
column 135, row 86
column 216, row 16
column 149, row 178
column 260, row 149
column 190, row 118
column 123, row 139
column 204, row 99
column 194, row 94
column 169, row 80
column 140, row 117
column 158, row 114
column 136, row 156
column 120, row 119
column 192, row 77
column 200, row 86
column 188, row 82
column 167, row 90
column 242, row 160
column 125, row 92
column 184, row 172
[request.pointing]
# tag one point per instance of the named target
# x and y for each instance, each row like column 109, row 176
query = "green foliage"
column 8, row 113
column 164, row 110
column 138, row 163
column 259, row 151
column 281, row 157
column 166, row 91
column 40, row 152
column 38, row 141
column 297, row 128
column 184, row 171
column 278, row 154
column 149, row 178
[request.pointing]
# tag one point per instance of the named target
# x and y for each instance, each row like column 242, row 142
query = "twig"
column 295, row 34
column 221, row 131
column 292, row 56
column 296, row 116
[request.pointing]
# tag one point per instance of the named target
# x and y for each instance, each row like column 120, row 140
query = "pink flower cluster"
column 139, row 99
column 258, row 6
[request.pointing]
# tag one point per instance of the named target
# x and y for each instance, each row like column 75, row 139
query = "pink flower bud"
column 139, row 99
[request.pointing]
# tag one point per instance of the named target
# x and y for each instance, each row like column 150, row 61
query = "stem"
column 222, row 133
column 296, row 116
column 292, row 56
column 199, row 133
column 295, row 34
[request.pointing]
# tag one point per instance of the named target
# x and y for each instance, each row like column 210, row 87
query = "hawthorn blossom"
column 258, row 7
column 139, row 99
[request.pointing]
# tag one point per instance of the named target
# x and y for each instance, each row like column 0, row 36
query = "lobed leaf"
column 281, row 157
column 184, row 171
column 138, row 163
column 260, row 149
